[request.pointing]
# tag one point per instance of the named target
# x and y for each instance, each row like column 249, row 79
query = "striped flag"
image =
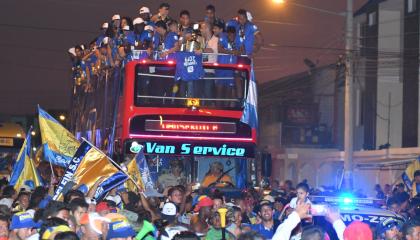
column 250, row 114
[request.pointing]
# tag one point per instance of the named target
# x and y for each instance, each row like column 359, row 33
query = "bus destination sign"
column 190, row 126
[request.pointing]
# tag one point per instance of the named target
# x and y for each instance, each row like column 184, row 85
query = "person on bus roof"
column 211, row 16
column 185, row 26
column 249, row 33
column 165, row 42
column 163, row 14
column 215, row 176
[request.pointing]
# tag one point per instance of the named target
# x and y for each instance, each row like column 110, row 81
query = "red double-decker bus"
column 198, row 122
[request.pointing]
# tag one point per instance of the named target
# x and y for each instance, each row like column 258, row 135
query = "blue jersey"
column 129, row 37
column 247, row 33
column 189, row 66
column 266, row 233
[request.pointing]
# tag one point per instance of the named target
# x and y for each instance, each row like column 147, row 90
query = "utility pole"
column 348, row 101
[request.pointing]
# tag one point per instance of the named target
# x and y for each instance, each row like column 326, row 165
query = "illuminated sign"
column 190, row 126
column 199, row 149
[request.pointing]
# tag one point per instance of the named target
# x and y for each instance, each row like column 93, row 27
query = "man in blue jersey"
column 165, row 44
column 167, row 41
column 229, row 44
column 249, row 33
column 268, row 225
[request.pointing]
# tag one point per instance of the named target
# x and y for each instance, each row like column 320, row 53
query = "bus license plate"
column 6, row 142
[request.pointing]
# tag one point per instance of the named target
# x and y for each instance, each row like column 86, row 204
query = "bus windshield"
column 221, row 87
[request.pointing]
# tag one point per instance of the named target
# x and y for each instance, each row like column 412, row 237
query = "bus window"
column 202, row 172
column 221, row 87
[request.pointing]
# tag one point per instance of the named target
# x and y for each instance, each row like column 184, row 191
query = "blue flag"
column 250, row 114
column 148, row 185
column 189, row 66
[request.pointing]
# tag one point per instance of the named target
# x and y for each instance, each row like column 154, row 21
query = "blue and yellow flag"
column 408, row 176
column 134, row 171
column 58, row 143
column 89, row 166
column 24, row 171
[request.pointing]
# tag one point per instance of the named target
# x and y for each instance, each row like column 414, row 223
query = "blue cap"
column 22, row 220
column 120, row 229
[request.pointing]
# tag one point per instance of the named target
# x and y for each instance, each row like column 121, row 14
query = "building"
column 386, row 105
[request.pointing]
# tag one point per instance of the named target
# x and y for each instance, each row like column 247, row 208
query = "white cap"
column 72, row 51
column 269, row 198
column 148, row 28
column 105, row 40
column 249, row 16
column 105, row 25
column 144, row 10
column 169, row 209
column 116, row 17
column 126, row 27
column 138, row 21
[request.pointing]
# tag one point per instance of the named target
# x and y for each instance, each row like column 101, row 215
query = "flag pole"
column 114, row 163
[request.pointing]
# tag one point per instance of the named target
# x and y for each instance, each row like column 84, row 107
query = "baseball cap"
column 22, row 220
column 138, row 21
column 102, row 206
column 116, row 17
column 105, row 25
column 126, row 28
column 356, row 229
column 54, row 230
column 72, row 51
column 203, row 201
column 388, row 224
column 148, row 28
column 144, row 10
column 120, row 229
column 94, row 220
column 269, row 198
column 169, row 212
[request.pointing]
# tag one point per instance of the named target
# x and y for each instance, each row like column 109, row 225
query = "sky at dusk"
column 35, row 36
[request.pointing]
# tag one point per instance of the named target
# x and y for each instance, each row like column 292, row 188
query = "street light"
column 62, row 117
column 279, row 1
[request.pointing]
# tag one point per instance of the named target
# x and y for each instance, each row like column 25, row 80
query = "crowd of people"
column 160, row 36
column 185, row 212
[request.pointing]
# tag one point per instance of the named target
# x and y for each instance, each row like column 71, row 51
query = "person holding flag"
column 24, row 171
column 59, row 145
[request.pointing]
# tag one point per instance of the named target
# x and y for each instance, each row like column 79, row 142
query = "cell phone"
column 318, row 209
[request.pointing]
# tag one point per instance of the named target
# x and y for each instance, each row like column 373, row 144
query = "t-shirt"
column 170, row 180
column 265, row 232
column 212, row 43
column 247, row 33
column 214, row 234
column 209, row 179
column 189, row 66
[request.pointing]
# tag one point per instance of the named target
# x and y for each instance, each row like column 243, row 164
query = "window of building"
column 411, row 6
column 372, row 18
